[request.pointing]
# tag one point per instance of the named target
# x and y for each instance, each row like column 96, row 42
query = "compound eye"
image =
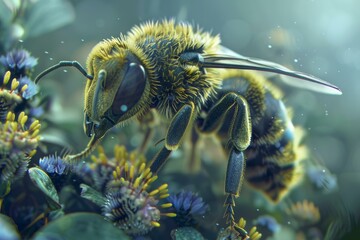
column 130, row 90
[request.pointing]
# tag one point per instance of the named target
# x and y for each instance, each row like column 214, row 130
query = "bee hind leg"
column 240, row 136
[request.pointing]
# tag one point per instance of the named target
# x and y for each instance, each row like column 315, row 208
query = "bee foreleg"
column 177, row 129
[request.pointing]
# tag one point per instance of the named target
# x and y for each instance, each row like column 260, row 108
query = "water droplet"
column 323, row 170
column 65, row 70
column 20, row 40
column 51, row 59
column 295, row 60
column 46, row 52
column 217, row 224
column 257, row 209
column 289, row 222
column 123, row 108
column 326, row 113
column 302, row 114
column 82, row 40
column 269, row 46
column 62, row 42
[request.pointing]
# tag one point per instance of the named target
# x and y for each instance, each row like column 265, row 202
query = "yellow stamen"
column 137, row 181
column 142, row 167
column 14, row 126
column 93, row 158
column 118, row 171
column 166, row 205
column 23, row 89
column 162, row 187
column 154, row 192
column 103, row 158
column 169, row 214
column 132, row 157
column 35, row 133
column 126, row 167
column 132, row 170
column 7, row 77
column 155, row 224
column 34, row 125
column 145, row 186
column 164, row 196
column 14, row 84
column 115, row 176
column 146, row 172
column 151, row 180
column 23, row 120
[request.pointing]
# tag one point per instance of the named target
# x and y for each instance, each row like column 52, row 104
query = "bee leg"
column 240, row 136
column 177, row 129
column 233, row 182
column 194, row 163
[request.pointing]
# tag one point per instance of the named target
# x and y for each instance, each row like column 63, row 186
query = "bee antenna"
column 75, row 64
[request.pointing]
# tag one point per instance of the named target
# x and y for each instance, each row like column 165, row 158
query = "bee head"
column 116, row 93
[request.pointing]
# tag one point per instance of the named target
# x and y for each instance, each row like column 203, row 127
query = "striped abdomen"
column 272, row 159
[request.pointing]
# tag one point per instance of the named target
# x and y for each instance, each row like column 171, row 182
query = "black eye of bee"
column 130, row 90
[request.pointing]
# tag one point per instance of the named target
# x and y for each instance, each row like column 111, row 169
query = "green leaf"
column 91, row 194
column 89, row 226
column 8, row 229
column 43, row 182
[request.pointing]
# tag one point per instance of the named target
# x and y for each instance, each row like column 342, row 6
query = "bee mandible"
column 181, row 73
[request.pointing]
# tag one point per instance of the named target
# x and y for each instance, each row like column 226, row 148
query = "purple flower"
column 267, row 222
column 18, row 62
column 20, row 59
column 53, row 164
column 187, row 205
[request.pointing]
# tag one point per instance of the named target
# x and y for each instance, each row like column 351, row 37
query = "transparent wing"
column 230, row 59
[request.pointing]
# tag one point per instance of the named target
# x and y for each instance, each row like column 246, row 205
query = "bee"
column 183, row 73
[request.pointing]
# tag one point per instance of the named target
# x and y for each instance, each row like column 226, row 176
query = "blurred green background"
column 320, row 37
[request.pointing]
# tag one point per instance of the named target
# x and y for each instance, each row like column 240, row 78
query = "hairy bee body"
column 271, row 158
column 186, row 76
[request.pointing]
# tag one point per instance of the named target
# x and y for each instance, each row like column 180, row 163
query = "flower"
column 267, row 222
column 305, row 212
column 17, row 145
column 19, row 62
column 131, row 204
column 187, row 205
column 54, row 164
